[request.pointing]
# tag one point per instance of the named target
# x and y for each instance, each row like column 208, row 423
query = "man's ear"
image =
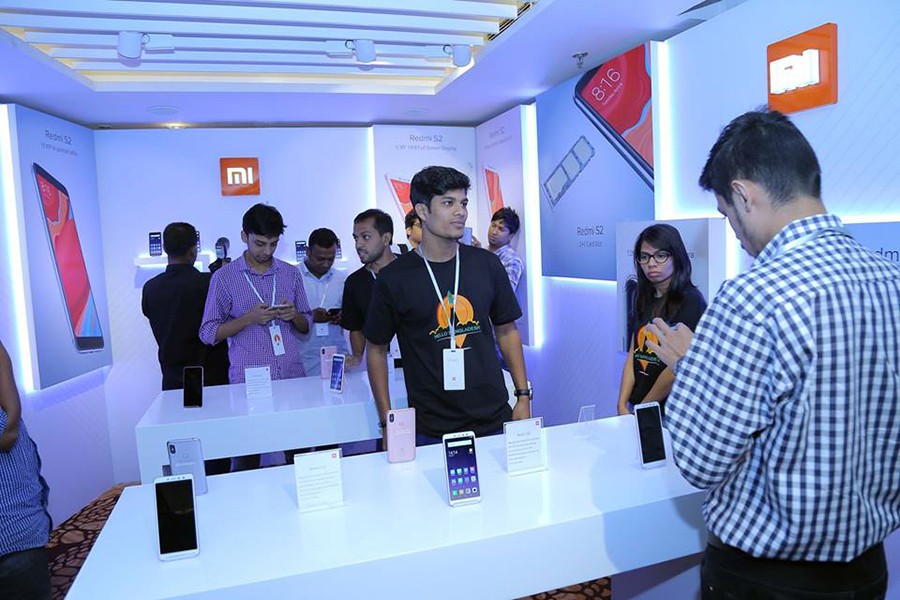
column 244, row 237
column 421, row 210
column 742, row 195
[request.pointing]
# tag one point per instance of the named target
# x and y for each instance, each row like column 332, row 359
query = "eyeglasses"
column 660, row 256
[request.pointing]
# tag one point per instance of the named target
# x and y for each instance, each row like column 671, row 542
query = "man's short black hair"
column 411, row 218
column 263, row 220
column 509, row 217
column 322, row 237
column 179, row 238
column 383, row 222
column 436, row 181
column 764, row 147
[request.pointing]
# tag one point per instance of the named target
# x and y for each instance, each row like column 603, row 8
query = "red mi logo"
column 239, row 176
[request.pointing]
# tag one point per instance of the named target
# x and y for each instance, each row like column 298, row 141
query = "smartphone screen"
column 300, row 249
column 198, row 241
column 462, row 470
column 193, row 387
column 649, row 422
column 337, row 254
column 495, row 194
column 400, row 191
column 175, row 516
column 337, row 373
column 71, row 269
column 155, row 243
column 616, row 96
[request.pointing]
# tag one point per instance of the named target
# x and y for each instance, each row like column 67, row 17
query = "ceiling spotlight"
column 364, row 50
column 131, row 44
column 462, row 54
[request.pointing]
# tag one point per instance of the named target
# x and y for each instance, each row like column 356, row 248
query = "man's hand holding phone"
column 261, row 314
column 326, row 315
column 284, row 311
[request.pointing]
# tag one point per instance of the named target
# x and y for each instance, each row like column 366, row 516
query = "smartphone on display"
column 300, row 249
column 71, row 270
column 325, row 355
column 155, row 243
column 467, row 236
column 198, row 241
column 401, row 435
column 648, row 417
column 186, row 457
column 176, row 517
column 494, row 193
column 615, row 96
column 338, row 254
column 193, row 387
column 220, row 250
column 461, row 468
column 337, row 373
column 400, row 190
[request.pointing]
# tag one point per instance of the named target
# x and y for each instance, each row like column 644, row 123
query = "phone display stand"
column 585, row 420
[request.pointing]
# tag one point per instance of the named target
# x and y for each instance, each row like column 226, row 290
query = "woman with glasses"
column 664, row 289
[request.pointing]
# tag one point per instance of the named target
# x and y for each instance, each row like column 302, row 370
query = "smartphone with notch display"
column 492, row 185
column 337, row 373
column 193, row 387
column 616, row 97
column 68, row 260
column 155, row 239
column 401, row 434
column 648, row 419
column 461, row 468
column 176, row 517
column 300, row 251
column 400, row 191
column 186, row 457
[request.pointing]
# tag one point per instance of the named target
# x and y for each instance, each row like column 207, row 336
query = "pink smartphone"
column 325, row 355
column 401, row 435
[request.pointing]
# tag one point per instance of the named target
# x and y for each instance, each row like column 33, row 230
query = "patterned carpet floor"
column 71, row 542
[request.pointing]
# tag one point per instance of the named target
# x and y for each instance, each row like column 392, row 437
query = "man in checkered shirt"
column 786, row 402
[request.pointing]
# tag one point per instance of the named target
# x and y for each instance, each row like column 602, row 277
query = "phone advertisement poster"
column 401, row 151
column 63, row 261
column 595, row 161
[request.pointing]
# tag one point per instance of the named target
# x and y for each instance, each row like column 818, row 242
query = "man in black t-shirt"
column 373, row 231
column 476, row 303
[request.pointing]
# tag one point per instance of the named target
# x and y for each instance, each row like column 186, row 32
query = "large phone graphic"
column 71, row 270
column 616, row 97
column 494, row 193
column 400, row 191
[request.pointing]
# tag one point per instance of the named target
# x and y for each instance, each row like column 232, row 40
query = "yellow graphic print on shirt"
column 643, row 354
column 465, row 322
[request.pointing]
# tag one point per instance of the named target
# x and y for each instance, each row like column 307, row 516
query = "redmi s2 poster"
column 595, row 163
column 63, row 257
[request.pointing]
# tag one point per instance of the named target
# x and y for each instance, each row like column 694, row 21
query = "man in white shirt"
column 324, row 287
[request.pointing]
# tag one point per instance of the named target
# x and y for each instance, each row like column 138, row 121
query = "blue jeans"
column 25, row 575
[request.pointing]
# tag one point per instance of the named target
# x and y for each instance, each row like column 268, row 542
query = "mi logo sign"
column 239, row 176
column 803, row 70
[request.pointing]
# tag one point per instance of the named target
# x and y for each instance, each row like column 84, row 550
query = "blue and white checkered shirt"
column 24, row 521
column 513, row 264
column 786, row 407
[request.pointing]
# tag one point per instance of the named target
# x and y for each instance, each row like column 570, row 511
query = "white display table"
column 593, row 513
column 301, row 413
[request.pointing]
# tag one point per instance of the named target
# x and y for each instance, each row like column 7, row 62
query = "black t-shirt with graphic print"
column 647, row 366
column 404, row 303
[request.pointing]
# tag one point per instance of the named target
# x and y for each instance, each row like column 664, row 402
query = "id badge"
column 321, row 329
column 277, row 339
column 454, row 369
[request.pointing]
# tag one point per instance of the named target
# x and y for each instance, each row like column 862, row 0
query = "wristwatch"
column 523, row 392
column 381, row 424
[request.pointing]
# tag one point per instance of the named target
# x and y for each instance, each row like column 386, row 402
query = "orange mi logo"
column 239, row 176
column 803, row 70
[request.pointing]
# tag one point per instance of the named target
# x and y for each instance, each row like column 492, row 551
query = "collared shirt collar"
column 304, row 270
column 796, row 230
column 244, row 266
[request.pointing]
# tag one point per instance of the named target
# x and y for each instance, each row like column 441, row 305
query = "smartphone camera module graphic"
column 569, row 168
column 68, row 259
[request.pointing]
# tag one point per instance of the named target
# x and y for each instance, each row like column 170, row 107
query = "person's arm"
column 514, row 270
column 661, row 387
column 357, row 347
column 627, row 383
column 376, row 364
column 9, row 402
column 510, row 343
column 259, row 315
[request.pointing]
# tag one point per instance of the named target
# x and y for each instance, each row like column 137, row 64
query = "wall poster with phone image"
column 595, row 162
column 65, row 291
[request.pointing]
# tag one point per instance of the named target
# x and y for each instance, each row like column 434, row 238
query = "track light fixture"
column 363, row 49
column 131, row 44
column 462, row 54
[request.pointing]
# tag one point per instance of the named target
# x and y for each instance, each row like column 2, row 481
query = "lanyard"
column 324, row 294
column 441, row 298
column 255, row 291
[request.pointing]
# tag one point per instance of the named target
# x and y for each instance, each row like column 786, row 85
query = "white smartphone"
column 186, row 457
column 176, row 517
column 648, row 419
column 337, row 373
column 461, row 468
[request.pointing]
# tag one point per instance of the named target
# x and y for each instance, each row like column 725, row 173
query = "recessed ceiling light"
column 174, row 125
column 163, row 110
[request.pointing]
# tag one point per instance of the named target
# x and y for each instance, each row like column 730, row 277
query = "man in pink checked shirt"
column 259, row 304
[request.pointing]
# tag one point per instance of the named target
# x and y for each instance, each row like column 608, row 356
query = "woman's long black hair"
column 647, row 306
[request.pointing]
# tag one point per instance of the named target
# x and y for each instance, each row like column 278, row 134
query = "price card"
column 526, row 451
column 319, row 481
column 258, row 382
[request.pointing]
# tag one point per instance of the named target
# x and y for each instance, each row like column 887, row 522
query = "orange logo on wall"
column 803, row 70
column 239, row 176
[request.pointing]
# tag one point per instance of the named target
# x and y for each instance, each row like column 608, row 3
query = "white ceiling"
column 285, row 62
